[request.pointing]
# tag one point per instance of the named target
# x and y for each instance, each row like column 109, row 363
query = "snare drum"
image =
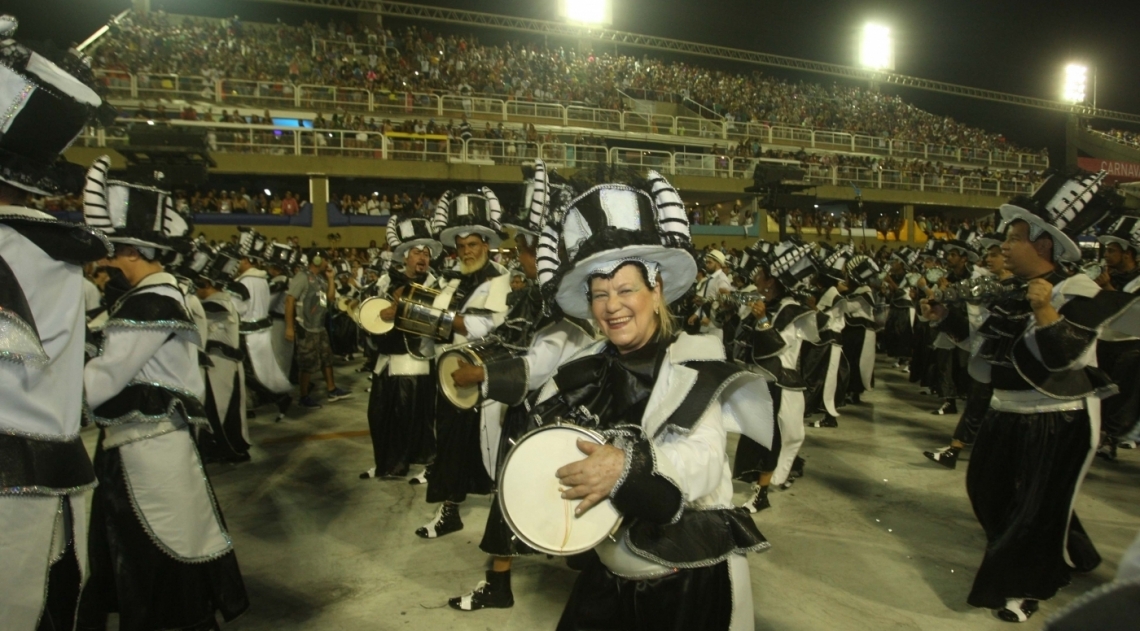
column 417, row 315
column 530, row 495
column 368, row 315
column 476, row 353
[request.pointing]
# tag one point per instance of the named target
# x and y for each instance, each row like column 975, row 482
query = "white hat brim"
column 432, row 245
column 448, row 235
column 1123, row 243
column 1070, row 251
column 677, row 267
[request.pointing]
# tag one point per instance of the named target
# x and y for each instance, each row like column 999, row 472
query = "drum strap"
column 250, row 327
column 443, row 300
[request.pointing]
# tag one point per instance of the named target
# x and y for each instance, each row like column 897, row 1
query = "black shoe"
column 446, row 521
column 493, row 593
column 950, row 406
column 947, row 457
column 1017, row 610
column 758, row 501
column 369, row 474
column 855, row 400
column 797, row 468
column 1106, row 450
column 419, row 478
column 827, row 421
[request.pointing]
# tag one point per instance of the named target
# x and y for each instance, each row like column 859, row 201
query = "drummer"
column 476, row 295
column 678, row 560
column 550, row 338
column 401, row 405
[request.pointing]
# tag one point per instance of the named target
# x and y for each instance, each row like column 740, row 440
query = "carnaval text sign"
column 1117, row 171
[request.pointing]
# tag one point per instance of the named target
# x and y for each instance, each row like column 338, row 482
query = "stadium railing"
column 282, row 94
column 275, row 140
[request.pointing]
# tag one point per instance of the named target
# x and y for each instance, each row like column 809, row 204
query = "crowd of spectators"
column 1122, row 136
column 238, row 201
column 384, row 204
column 416, row 60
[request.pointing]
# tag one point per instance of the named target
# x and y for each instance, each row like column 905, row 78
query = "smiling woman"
column 664, row 404
column 627, row 307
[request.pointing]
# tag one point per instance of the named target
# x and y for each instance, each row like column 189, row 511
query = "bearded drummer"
column 401, row 404
column 547, row 339
column 473, row 300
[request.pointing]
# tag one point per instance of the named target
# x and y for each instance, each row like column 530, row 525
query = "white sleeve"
column 125, row 352
column 696, row 462
column 550, row 350
column 480, row 325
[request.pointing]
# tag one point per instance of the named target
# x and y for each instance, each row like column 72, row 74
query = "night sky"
column 1017, row 47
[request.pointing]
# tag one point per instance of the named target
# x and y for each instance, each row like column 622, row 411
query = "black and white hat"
column 280, row 254
column 223, row 266
column 987, row 241
column 538, row 196
column 613, row 224
column 133, row 214
column 862, row 268
column 790, row 262
column 44, row 105
column 962, row 244
column 465, row 214
column 195, row 261
column 835, row 264
column 906, row 255
column 754, row 255
column 1064, row 206
column 252, row 244
column 1124, row 232
column 405, row 234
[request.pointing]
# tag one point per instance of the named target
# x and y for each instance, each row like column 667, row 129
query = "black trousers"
column 458, row 468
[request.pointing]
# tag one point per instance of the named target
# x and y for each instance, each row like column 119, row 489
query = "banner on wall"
column 1117, row 171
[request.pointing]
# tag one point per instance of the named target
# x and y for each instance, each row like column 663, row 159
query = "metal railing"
column 279, row 140
column 125, row 85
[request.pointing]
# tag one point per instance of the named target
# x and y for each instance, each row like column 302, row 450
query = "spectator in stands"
column 289, row 205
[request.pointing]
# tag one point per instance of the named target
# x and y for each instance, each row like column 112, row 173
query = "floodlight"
column 1076, row 83
column 268, row 193
column 876, row 49
column 586, row 11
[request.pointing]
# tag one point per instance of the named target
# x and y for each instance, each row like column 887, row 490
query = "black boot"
column 827, row 421
column 947, row 457
column 758, row 501
column 797, row 468
column 949, row 406
column 446, row 522
column 495, row 592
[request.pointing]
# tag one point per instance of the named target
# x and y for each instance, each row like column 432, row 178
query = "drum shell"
column 476, row 353
column 418, row 315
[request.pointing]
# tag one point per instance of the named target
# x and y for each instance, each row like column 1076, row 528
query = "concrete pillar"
column 1072, row 138
column 908, row 223
column 319, row 196
column 761, row 219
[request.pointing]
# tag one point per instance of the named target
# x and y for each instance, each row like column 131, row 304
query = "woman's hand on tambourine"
column 468, row 375
column 592, row 479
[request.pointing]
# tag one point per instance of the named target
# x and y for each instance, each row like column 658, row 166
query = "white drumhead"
column 531, row 496
column 462, row 398
column 368, row 316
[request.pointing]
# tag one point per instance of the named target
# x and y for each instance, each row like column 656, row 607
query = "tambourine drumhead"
column 530, row 495
column 368, row 315
column 478, row 354
column 342, row 304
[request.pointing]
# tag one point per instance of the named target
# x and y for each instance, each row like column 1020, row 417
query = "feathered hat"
column 133, row 214
column 1064, row 206
column 45, row 103
column 465, row 214
column 405, row 234
column 613, row 224
column 1124, row 232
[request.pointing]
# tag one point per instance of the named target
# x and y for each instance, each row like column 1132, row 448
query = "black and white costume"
column 481, row 297
column 46, row 476
column 160, row 553
column 678, row 561
column 401, row 405
column 1038, row 440
column 859, row 329
column 772, row 346
column 265, row 376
